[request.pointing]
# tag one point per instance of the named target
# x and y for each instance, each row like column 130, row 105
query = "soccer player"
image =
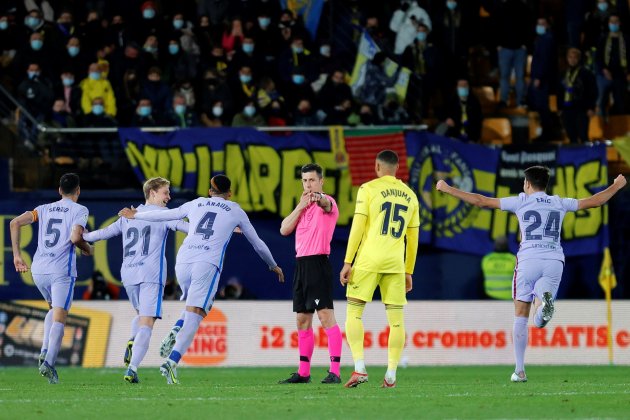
column 540, row 259
column 54, row 269
column 313, row 220
column 386, row 216
column 143, row 270
column 200, row 258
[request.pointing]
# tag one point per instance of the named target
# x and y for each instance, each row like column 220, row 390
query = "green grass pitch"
column 252, row 393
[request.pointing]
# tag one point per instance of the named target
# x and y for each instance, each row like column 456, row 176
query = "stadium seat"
column 496, row 131
column 596, row 128
column 617, row 125
column 486, row 97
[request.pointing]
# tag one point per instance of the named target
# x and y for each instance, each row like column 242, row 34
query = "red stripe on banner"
column 362, row 151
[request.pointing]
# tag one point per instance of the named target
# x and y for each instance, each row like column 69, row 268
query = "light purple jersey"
column 55, row 252
column 143, row 246
column 540, row 219
column 212, row 222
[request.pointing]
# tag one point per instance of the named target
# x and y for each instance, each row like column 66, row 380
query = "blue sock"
column 179, row 323
column 175, row 356
column 185, row 335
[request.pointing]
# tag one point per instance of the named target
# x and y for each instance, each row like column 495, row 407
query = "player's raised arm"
column 16, row 224
column 110, row 231
column 602, row 197
column 470, row 198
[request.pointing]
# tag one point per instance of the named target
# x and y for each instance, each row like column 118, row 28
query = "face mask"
column 73, row 51
column 613, row 27
column 148, row 13
column 297, row 50
column 451, row 5
column 180, row 109
column 32, row 74
column 324, row 50
column 249, row 110
column 602, row 7
column 94, row 75
column 3, row 25
column 298, row 79
column 150, row 49
column 31, row 21
column 178, row 24
column 462, row 92
column 245, row 78
column 248, row 48
column 144, row 111
column 217, row 111
column 67, row 81
column 264, row 22
column 98, row 109
column 540, row 29
column 173, row 49
column 421, row 36
column 37, row 44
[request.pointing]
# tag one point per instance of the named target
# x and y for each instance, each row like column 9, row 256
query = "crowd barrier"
column 246, row 333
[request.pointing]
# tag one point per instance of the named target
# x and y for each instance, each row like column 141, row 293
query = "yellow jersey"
column 391, row 207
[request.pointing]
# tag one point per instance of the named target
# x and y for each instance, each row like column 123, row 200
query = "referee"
column 313, row 220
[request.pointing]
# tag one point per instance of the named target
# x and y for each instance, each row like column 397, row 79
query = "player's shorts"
column 362, row 285
column 312, row 284
column 146, row 298
column 534, row 277
column 57, row 289
column 199, row 282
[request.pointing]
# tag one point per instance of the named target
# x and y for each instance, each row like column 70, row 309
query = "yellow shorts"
column 362, row 285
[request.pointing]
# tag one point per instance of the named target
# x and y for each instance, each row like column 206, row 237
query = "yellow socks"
column 354, row 329
column 396, row 341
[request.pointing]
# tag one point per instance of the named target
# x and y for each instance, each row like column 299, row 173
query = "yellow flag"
column 338, row 146
column 607, row 278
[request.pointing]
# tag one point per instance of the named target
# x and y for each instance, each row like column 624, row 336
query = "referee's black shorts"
column 312, row 284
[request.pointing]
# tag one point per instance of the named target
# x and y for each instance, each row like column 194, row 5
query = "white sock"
column 54, row 344
column 185, row 335
column 359, row 366
column 134, row 327
column 140, row 345
column 390, row 376
column 47, row 323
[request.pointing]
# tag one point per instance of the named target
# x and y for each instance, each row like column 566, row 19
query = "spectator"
column 289, row 29
column 216, row 61
column 498, row 270
column 35, row 94
column 100, row 289
column 404, row 23
column 127, row 61
column 451, row 27
column 214, row 118
column 64, row 29
column 595, row 26
column 373, row 90
column 151, row 51
column 58, row 118
column 148, row 24
column 277, row 115
column 393, row 113
column 215, row 89
column 36, row 52
column 578, row 98
column 462, row 116
column 267, row 93
column 612, row 68
column 93, row 33
column 248, row 117
column 297, row 56
column 128, row 96
column 97, row 117
column 266, row 45
column 234, row 290
column 424, row 61
column 367, row 116
column 215, row 10
column 144, row 116
column 340, row 114
column 33, row 22
column 247, row 56
column 334, row 91
column 512, row 27
column 72, row 59
column 70, row 92
column 157, row 92
column 43, row 7
column 179, row 65
column 185, row 88
column 182, row 31
column 544, row 75
column 180, row 115
column 305, row 115
column 298, row 89
column 325, row 63
column 95, row 86
column 117, row 33
column 244, row 89
column 232, row 37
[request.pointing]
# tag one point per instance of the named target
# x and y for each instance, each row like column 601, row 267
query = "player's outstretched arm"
column 16, row 224
column 470, row 198
column 279, row 272
column 290, row 222
column 102, row 234
column 602, row 197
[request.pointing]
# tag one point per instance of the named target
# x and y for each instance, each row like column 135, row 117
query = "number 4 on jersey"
column 204, row 227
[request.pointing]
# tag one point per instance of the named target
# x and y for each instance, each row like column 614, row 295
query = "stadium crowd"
column 251, row 63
